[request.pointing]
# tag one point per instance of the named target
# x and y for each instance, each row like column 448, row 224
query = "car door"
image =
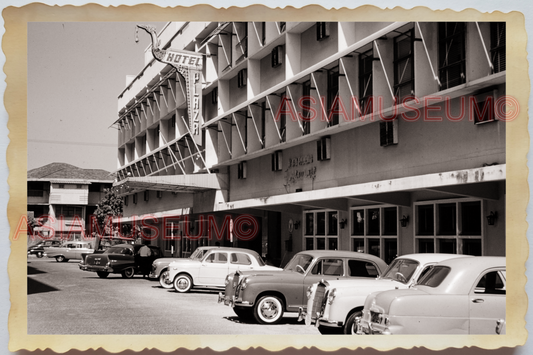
column 487, row 304
column 239, row 261
column 70, row 251
column 213, row 269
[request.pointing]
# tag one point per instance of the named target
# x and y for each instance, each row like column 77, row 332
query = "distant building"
column 374, row 137
column 62, row 197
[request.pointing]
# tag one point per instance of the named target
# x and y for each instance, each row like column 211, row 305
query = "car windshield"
column 434, row 277
column 299, row 263
column 401, row 270
column 198, row 254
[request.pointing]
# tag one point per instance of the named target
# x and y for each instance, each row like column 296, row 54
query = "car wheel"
column 102, row 274
column 60, row 258
column 244, row 312
column 128, row 273
column 353, row 323
column 164, row 281
column 39, row 254
column 182, row 283
column 268, row 310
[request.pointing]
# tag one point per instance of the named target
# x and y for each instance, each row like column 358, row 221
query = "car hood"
column 355, row 286
column 272, row 274
column 181, row 261
column 166, row 260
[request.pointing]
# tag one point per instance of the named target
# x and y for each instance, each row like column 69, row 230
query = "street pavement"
column 62, row 299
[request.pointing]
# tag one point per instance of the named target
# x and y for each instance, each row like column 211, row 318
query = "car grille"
column 319, row 300
column 375, row 317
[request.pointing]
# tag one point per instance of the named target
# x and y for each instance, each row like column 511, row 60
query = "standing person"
column 145, row 253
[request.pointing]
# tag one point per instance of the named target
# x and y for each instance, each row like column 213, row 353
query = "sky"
column 76, row 71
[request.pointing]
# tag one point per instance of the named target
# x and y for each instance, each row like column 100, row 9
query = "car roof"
column 229, row 249
column 464, row 271
column 345, row 254
column 431, row 257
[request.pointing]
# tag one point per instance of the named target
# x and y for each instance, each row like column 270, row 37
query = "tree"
column 110, row 206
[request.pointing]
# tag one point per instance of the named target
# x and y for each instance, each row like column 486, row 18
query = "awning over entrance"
column 479, row 182
column 173, row 183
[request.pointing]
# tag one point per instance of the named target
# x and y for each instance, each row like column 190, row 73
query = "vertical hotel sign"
column 189, row 65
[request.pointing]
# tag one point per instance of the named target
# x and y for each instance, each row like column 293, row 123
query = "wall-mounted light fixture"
column 342, row 223
column 404, row 220
column 296, row 224
column 491, row 218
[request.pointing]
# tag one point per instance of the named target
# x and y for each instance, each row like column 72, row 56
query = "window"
column 135, row 199
column 214, row 96
column 61, row 186
column 240, row 259
column 69, row 211
column 435, row 276
column 404, row 83
column 491, row 283
column 172, row 235
column 126, row 200
column 388, row 133
column 332, row 96
column 242, row 170
column 147, row 195
column 322, row 30
column 321, row 230
column 217, row 258
column 263, row 123
column 366, row 61
column 277, row 56
column 282, row 26
column 497, row 46
column 306, row 104
column 283, row 121
column 449, row 227
column 277, row 160
column 360, row 268
column 242, row 77
column 323, row 148
column 79, row 186
column 452, row 70
column 328, row 267
column 374, row 230
column 483, row 108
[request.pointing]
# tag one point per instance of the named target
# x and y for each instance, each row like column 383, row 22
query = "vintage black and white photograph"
column 302, row 179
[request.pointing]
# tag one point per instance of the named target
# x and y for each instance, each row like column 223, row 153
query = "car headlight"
column 244, row 283
column 331, row 295
column 309, row 291
column 113, row 261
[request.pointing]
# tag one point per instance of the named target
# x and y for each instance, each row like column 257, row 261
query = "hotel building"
column 384, row 138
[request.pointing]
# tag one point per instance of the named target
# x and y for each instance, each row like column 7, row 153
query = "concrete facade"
column 287, row 146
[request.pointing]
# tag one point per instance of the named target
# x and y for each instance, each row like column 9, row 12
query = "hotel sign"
column 189, row 65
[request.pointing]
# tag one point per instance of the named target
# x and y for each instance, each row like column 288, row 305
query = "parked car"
column 160, row 266
column 69, row 250
column 210, row 270
column 124, row 259
column 40, row 248
column 266, row 296
column 457, row 296
column 339, row 303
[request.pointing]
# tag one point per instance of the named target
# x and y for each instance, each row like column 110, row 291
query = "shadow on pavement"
column 35, row 286
column 284, row 321
column 34, row 271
